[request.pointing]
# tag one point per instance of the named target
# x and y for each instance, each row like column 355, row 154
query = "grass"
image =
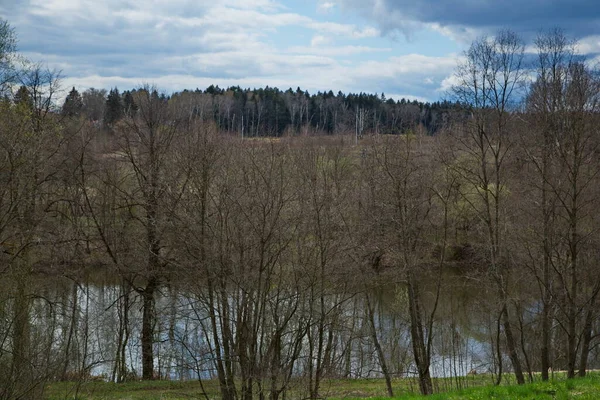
column 139, row 390
column 338, row 389
column 587, row 388
column 584, row 388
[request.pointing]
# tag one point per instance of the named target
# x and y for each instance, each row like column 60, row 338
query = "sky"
column 403, row 48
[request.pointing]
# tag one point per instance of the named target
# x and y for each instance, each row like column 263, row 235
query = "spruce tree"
column 114, row 108
column 73, row 104
column 23, row 98
column 129, row 106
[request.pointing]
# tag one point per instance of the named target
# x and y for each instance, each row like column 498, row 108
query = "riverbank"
column 476, row 387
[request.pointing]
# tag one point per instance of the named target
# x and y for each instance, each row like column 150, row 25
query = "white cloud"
column 320, row 40
column 187, row 44
column 448, row 83
column 400, row 75
column 346, row 30
column 410, row 64
column 459, row 34
column 325, row 7
column 337, row 51
column 409, row 97
column 589, row 45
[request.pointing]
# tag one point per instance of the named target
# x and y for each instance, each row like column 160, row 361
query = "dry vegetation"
column 163, row 249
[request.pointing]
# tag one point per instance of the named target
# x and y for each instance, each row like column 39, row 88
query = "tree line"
column 168, row 247
column 272, row 112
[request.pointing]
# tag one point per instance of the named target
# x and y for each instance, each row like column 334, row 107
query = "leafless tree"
column 489, row 81
column 544, row 102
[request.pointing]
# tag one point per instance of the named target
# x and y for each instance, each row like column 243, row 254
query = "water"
column 93, row 319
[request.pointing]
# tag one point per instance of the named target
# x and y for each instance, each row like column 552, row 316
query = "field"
column 479, row 388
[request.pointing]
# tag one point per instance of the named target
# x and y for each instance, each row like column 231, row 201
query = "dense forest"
column 272, row 112
column 273, row 240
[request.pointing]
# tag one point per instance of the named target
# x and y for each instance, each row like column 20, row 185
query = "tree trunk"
column 20, row 370
column 499, row 351
column 512, row 347
column 546, row 294
column 545, row 350
column 380, row 355
column 120, row 368
column 587, row 336
column 70, row 333
column 571, row 339
column 148, row 329
column 420, row 353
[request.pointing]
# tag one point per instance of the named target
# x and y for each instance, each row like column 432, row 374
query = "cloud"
column 448, row 83
column 325, row 7
column 410, row 97
column 118, row 26
column 195, row 43
column 414, row 76
column 335, row 51
column 319, row 40
column 589, row 45
column 463, row 18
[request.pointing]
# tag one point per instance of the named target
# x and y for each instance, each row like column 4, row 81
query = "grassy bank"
column 476, row 388
column 582, row 388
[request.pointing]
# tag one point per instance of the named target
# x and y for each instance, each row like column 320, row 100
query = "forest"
column 270, row 112
column 269, row 241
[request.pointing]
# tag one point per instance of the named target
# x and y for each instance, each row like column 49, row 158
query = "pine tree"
column 73, row 104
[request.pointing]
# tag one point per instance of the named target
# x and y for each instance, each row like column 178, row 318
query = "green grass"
column 139, row 390
column 479, row 387
column 581, row 388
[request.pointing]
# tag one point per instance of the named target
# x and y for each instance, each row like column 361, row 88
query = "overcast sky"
column 404, row 48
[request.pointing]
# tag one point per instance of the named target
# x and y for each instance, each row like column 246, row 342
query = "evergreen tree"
column 129, row 106
column 73, row 104
column 114, row 108
column 23, row 98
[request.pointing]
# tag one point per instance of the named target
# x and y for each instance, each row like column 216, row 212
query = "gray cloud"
column 460, row 17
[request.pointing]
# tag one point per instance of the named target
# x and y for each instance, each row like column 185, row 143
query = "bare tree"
column 147, row 141
column 576, row 149
column 325, row 179
column 8, row 47
column 544, row 102
column 94, row 102
column 490, row 81
column 399, row 203
column 29, row 159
